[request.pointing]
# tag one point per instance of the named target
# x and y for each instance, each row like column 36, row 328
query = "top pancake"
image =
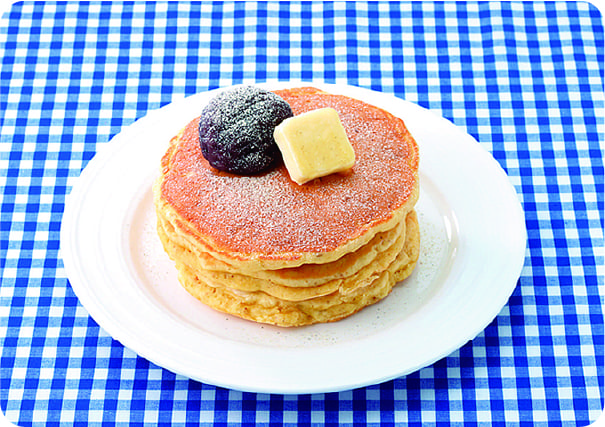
column 269, row 221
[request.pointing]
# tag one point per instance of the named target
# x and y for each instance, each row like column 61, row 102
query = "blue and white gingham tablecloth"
column 524, row 78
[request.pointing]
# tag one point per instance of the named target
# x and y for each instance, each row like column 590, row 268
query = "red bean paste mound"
column 236, row 130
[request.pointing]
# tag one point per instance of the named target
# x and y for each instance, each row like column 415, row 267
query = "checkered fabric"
column 524, row 78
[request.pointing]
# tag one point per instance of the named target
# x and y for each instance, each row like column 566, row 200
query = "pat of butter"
column 314, row 144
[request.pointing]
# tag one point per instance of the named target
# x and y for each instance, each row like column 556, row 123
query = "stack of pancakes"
column 267, row 249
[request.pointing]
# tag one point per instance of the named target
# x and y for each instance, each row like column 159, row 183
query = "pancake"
column 267, row 221
column 266, row 249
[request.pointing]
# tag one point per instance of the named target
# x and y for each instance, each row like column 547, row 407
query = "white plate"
column 473, row 249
